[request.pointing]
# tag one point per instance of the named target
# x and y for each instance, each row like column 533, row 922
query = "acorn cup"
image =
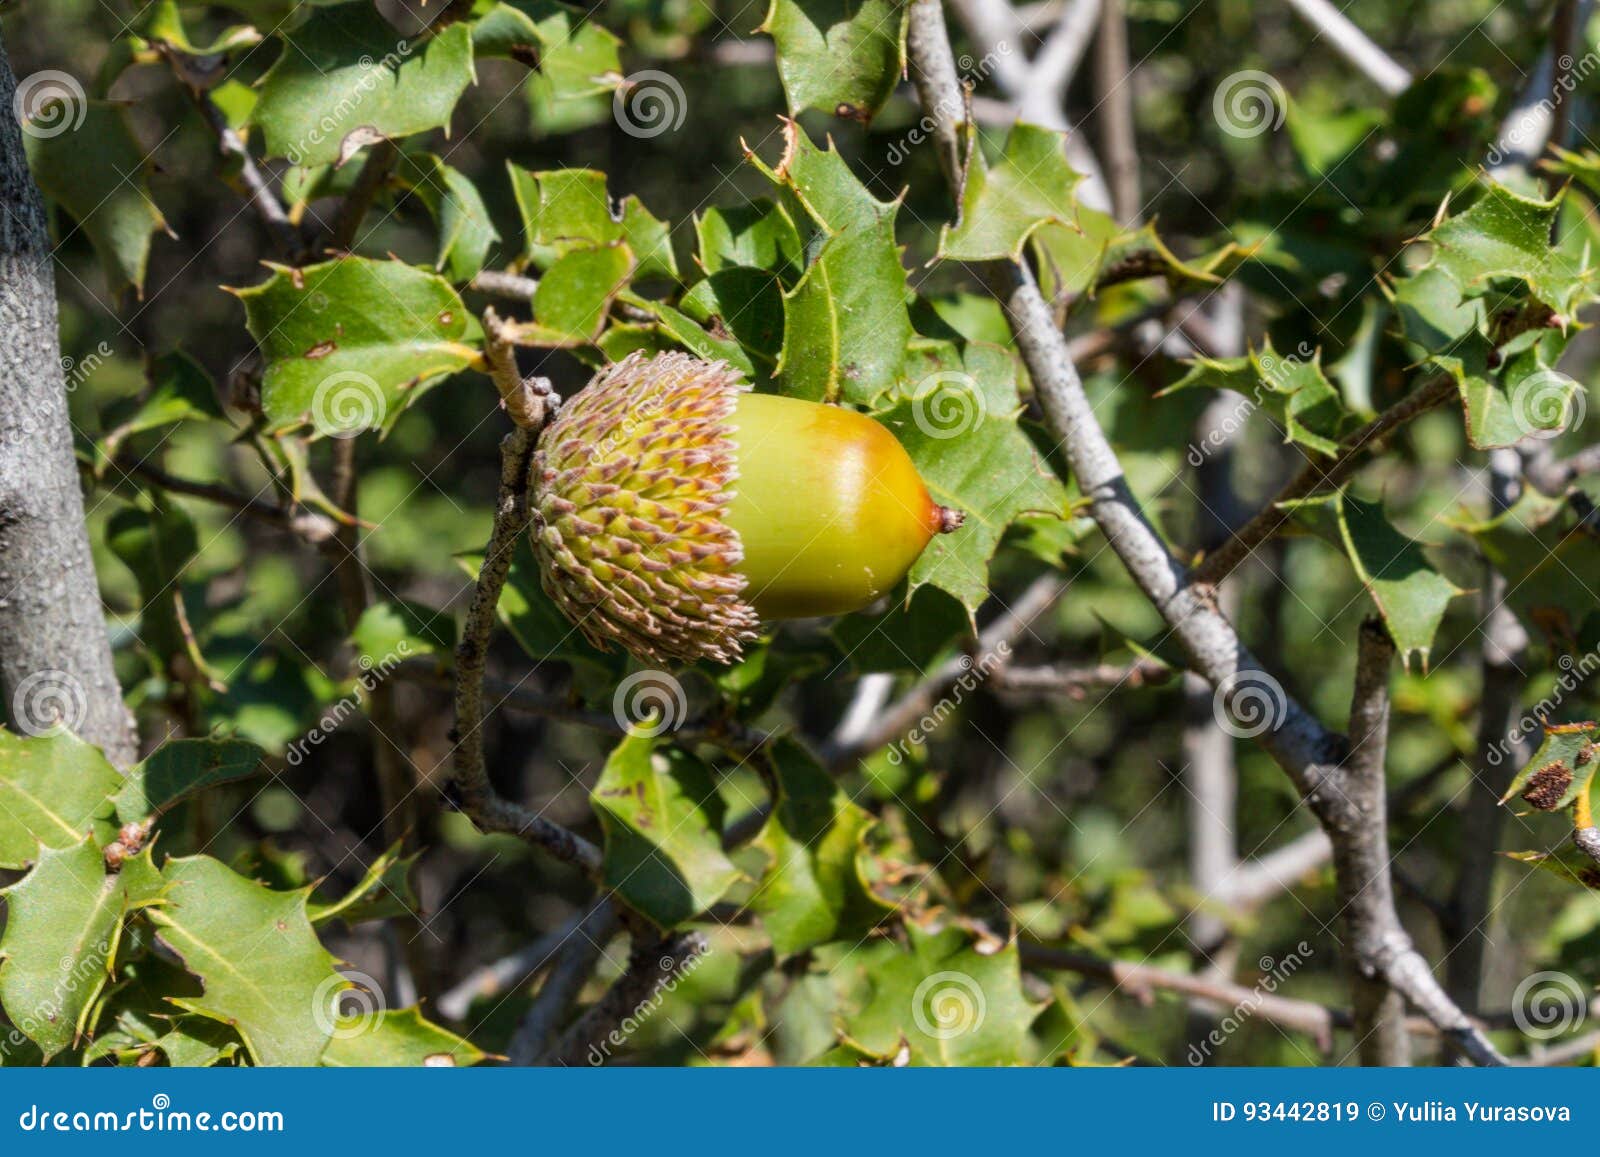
column 673, row 510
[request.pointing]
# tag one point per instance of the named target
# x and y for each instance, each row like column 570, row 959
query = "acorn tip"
column 949, row 519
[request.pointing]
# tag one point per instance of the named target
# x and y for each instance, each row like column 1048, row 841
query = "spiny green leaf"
column 1030, row 185
column 260, row 963
column 178, row 769
column 1409, row 593
column 662, row 819
column 384, row 890
column 842, row 56
column 87, row 160
column 846, row 326
column 946, row 998
column 814, row 889
column 349, row 343
column 575, row 294
column 565, row 210
column 163, row 22
column 346, row 78
column 1506, row 235
column 54, row 789
column 760, row 235
column 466, row 232
column 1292, row 388
column 1548, row 564
column 64, row 919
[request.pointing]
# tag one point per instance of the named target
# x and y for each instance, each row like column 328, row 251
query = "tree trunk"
column 55, row 655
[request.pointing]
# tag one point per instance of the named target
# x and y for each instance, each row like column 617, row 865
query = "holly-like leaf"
column 1506, row 235
column 178, row 769
column 1564, row 862
column 945, row 999
column 180, row 391
column 958, row 421
column 846, row 326
column 745, row 302
column 760, row 235
column 566, row 210
column 814, row 889
column 349, row 343
column 1030, row 185
column 842, row 56
column 346, row 78
column 662, row 819
column 577, row 57
column 1409, row 593
column 384, row 891
column 87, row 160
column 54, row 789
column 1293, row 389
column 466, row 232
column 64, row 919
column 398, row 1038
column 254, row 951
column 575, row 294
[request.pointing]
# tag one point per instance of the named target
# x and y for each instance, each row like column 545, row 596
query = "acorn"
column 674, row 510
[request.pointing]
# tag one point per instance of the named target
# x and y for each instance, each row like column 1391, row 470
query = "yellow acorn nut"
column 673, row 510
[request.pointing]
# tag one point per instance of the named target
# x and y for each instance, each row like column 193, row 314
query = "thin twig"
column 652, row 966
column 479, row 799
column 1114, row 82
column 309, row 525
column 573, row 967
column 1318, row 476
column 511, row 286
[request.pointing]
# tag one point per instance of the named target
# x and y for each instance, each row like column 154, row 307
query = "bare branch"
column 479, row 799
column 511, row 286
column 313, row 527
column 1056, row 62
column 1354, row 45
column 1306, row 751
column 573, row 967
column 651, row 967
column 1114, row 86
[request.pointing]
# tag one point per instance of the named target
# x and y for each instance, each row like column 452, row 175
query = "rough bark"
column 55, row 653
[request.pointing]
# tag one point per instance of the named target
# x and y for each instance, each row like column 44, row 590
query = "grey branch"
column 573, row 965
column 55, row 651
column 1308, row 753
column 487, row 808
column 314, row 528
column 1361, row 857
column 652, row 966
column 1354, row 45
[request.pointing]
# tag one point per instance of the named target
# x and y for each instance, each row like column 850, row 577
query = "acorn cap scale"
column 673, row 509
